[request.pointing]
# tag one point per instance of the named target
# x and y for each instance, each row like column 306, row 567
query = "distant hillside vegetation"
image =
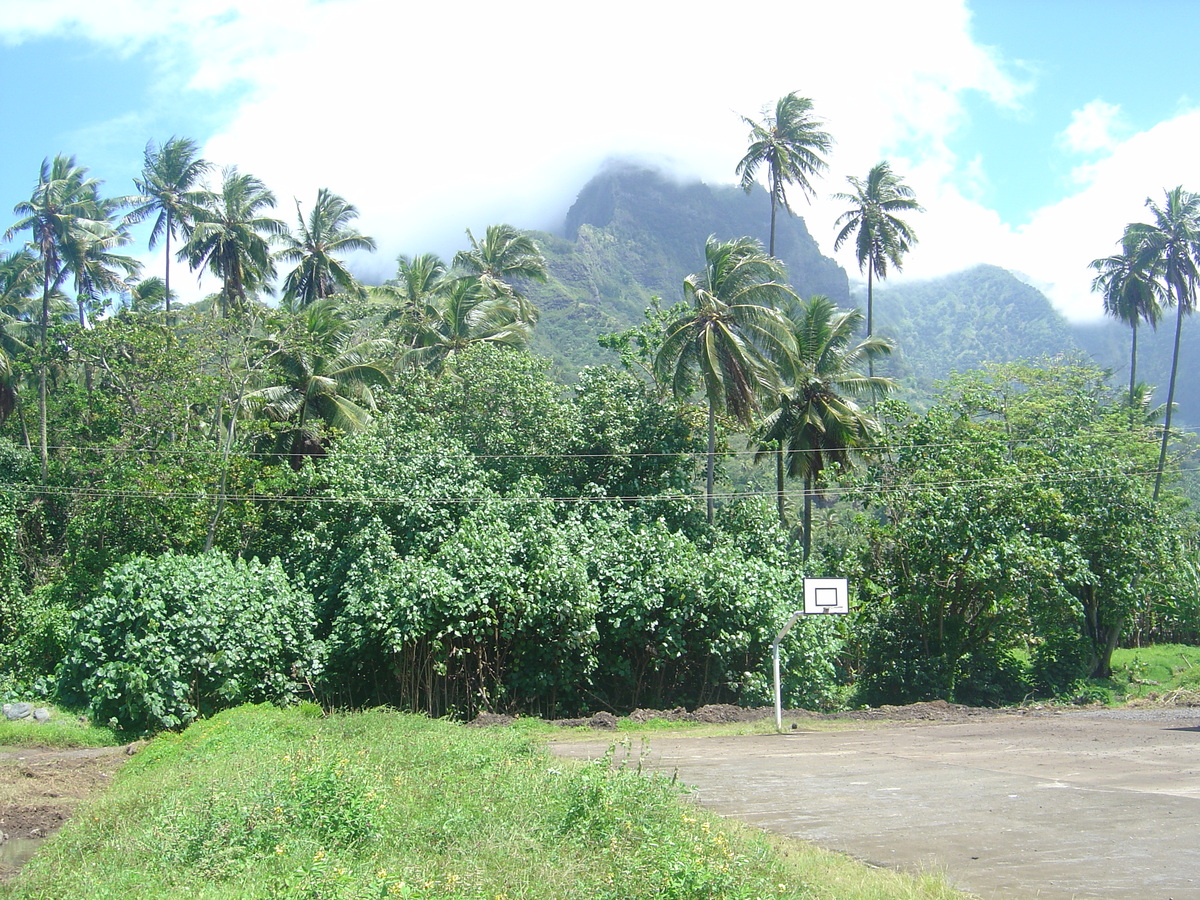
column 960, row 321
column 633, row 234
column 1108, row 343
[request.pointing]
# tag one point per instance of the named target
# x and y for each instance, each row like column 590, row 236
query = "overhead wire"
column 699, row 454
column 85, row 492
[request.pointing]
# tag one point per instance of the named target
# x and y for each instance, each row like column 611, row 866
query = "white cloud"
column 1056, row 246
column 1094, row 128
column 1062, row 239
column 438, row 117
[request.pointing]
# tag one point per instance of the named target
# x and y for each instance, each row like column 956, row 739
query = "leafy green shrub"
column 992, row 677
column 902, row 665
column 39, row 633
column 898, row 665
column 11, row 593
column 469, row 592
column 171, row 638
column 1060, row 662
column 1090, row 692
column 500, row 617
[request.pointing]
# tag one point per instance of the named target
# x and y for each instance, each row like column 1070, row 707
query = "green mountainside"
column 633, row 234
column 960, row 321
column 1107, row 342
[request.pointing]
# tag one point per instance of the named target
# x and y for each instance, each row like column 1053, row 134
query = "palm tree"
column 231, row 235
column 19, row 275
column 90, row 254
column 170, row 185
column 790, row 144
column 460, row 315
column 417, row 280
column 325, row 235
column 18, row 280
column 64, row 203
column 324, row 378
column 1171, row 249
column 1131, row 294
column 146, row 296
column 730, row 337
column 816, row 422
column 503, row 255
column 880, row 235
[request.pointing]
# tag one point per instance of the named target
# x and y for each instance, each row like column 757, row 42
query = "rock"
column 14, row 711
column 41, row 714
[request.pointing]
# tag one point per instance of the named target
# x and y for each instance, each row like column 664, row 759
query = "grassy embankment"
column 264, row 803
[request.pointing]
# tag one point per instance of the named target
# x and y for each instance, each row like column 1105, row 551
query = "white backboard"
column 823, row 596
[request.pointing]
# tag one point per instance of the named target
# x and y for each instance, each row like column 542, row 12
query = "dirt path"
column 1072, row 805
column 38, row 791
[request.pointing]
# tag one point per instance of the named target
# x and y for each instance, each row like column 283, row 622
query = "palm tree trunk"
column 43, row 448
column 297, row 454
column 1132, row 364
column 807, row 539
column 779, row 486
column 1162, row 453
column 712, row 457
column 771, row 249
column 24, row 428
column 167, row 269
column 224, row 479
column 870, row 322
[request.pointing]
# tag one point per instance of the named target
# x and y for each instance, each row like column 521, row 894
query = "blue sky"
column 1032, row 131
column 1073, row 53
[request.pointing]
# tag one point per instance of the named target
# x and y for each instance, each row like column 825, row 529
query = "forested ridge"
column 384, row 494
column 634, row 234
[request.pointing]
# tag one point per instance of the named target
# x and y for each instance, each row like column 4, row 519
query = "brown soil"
column 39, row 789
column 723, row 713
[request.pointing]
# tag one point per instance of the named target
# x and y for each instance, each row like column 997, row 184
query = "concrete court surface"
column 1072, row 804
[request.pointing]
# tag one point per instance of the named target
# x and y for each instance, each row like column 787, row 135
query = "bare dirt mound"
column 39, row 789
column 724, row 713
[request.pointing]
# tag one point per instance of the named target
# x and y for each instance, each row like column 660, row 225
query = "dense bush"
column 171, row 638
column 500, row 616
column 1004, row 518
column 526, row 608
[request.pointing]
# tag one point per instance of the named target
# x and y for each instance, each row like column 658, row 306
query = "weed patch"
column 64, row 730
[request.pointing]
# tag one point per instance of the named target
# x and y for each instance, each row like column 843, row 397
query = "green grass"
column 64, row 730
column 266, row 803
column 1152, row 672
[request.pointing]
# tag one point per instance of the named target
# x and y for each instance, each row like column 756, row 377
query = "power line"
column 1047, row 478
column 998, row 440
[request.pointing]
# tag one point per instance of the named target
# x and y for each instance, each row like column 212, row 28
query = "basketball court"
column 1055, row 805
